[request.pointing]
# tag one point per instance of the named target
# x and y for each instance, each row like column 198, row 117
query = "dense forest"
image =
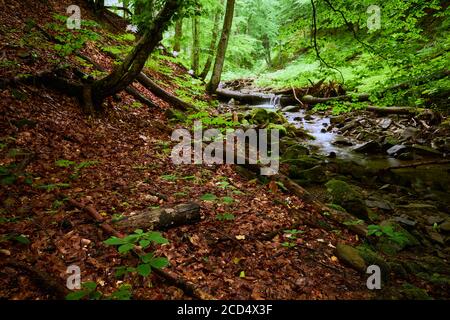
column 224, row 149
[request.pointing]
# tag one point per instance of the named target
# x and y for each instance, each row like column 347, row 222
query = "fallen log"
column 260, row 98
column 161, row 219
column 313, row 100
column 249, row 98
column 394, row 110
column 161, row 93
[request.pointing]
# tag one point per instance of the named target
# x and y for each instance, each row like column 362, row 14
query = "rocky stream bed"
column 390, row 171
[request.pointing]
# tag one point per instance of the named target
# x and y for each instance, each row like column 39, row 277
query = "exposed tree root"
column 41, row 278
column 158, row 91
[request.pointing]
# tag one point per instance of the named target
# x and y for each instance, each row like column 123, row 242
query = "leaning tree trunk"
column 195, row 44
column 126, row 73
column 222, row 49
column 212, row 45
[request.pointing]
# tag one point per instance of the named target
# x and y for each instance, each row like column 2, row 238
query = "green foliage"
column 144, row 240
column 389, row 232
column 208, row 197
column 291, row 238
column 89, row 291
column 71, row 39
column 225, row 217
column 76, row 168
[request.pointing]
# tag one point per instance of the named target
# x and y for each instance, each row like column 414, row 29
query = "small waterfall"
column 275, row 100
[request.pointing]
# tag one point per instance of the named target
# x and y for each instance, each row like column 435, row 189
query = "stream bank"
column 390, row 171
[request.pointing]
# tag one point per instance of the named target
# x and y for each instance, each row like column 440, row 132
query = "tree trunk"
column 195, row 45
column 99, row 5
column 266, row 45
column 127, row 72
column 178, row 35
column 161, row 219
column 212, row 45
column 222, row 49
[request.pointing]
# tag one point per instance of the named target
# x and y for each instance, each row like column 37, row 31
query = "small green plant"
column 225, row 217
column 54, row 186
column 89, row 291
column 20, row 238
column 208, row 197
column 227, row 200
column 389, row 232
column 291, row 238
column 354, row 222
column 144, row 240
column 77, row 168
column 9, row 175
column 71, row 40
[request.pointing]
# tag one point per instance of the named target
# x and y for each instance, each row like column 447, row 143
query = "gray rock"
column 397, row 150
column 435, row 236
column 406, row 156
column 405, row 221
column 380, row 204
column 434, row 220
column 385, row 123
column 337, row 119
column 409, row 133
column 351, row 257
column 341, row 141
column 369, row 147
column 425, row 151
column 291, row 109
column 445, row 226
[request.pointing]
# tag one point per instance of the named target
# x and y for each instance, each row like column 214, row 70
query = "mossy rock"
column 351, row 257
column 373, row 258
column 263, row 116
column 410, row 240
column 411, row 292
column 294, row 151
column 398, row 269
column 315, row 175
column 348, row 197
column 303, row 162
column 287, row 142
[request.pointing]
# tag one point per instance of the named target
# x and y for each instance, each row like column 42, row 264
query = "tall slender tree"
column 178, row 35
column 195, row 44
column 222, row 48
column 212, row 46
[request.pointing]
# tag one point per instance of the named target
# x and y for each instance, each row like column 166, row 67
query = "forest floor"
column 125, row 167
column 129, row 148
